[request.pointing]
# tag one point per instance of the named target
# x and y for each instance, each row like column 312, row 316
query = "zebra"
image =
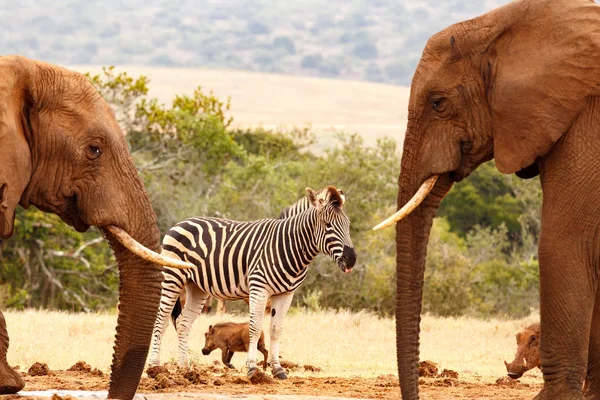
column 287, row 212
column 260, row 259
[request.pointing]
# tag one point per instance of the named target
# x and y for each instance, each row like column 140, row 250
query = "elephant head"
column 62, row 150
column 505, row 85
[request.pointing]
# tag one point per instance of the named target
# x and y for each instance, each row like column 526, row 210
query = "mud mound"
column 80, row 366
column 154, row 371
column 38, row 369
column 448, row 373
column 506, row 381
column 163, row 381
column 260, row 378
column 194, row 377
column 312, row 368
column 428, row 369
column 288, row 364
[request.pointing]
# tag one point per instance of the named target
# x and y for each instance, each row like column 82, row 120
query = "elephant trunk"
column 412, row 236
column 139, row 297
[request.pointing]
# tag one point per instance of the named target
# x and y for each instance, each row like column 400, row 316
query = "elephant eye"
column 93, row 152
column 438, row 105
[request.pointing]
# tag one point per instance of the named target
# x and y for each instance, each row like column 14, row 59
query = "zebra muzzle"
column 347, row 260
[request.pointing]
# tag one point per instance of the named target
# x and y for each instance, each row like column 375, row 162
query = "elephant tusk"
column 139, row 250
column 413, row 203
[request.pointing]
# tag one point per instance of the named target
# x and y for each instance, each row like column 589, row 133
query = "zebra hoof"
column 279, row 373
column 251, row 372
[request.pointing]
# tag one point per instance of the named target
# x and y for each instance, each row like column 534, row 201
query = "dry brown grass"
column 373, row 110
column 341, row 343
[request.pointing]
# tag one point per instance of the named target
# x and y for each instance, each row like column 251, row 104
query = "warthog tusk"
column 411, row 204
column 139, row 250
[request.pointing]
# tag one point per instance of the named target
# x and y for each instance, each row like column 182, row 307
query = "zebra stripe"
column 260, row 259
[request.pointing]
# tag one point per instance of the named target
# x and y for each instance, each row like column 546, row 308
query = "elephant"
column 62, row 151
column 520, row 85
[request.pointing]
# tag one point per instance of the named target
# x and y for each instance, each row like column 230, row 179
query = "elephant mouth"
column 71, row 215
column 457, row 176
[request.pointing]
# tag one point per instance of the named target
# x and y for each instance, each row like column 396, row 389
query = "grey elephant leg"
column 566, row 305
column 10, row 380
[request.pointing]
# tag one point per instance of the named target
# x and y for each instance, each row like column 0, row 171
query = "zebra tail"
column 176, row 312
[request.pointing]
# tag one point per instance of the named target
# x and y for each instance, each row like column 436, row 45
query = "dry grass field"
column 343, row 344
column 370, row 109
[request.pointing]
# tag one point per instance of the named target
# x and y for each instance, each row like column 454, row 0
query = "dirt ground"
column 215, row 379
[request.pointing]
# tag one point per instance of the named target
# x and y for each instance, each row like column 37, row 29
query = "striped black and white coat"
column 260, row 259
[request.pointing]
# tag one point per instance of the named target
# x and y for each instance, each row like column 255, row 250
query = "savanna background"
column 228, row 113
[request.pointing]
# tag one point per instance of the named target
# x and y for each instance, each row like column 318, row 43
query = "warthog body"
column 231, row 337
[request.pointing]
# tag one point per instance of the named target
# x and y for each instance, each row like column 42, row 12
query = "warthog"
column 528, row 352
column 231, row 337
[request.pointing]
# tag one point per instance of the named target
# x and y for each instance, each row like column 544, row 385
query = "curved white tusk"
column 411, row 204
column 139, row 250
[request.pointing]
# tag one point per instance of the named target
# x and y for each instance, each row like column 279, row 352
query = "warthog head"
column 528, row 352
column 209, row 344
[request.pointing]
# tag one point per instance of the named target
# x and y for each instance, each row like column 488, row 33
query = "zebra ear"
column 312, row 197
column 342, row 195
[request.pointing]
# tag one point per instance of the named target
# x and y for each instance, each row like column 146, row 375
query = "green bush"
column 481, row 259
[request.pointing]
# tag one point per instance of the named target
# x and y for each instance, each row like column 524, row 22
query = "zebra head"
column 332, row 231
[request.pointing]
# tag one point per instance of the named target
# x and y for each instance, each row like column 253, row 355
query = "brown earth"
column 215, row 379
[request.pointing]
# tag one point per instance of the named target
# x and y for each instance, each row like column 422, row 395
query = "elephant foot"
column 230, row 366
column 10, row 380
column 559, row 394
column 279, row 373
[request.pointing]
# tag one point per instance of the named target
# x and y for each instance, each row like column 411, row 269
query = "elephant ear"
column 15, row 153
column 539, row 72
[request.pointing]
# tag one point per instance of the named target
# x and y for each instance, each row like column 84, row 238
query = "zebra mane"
column 329, row 194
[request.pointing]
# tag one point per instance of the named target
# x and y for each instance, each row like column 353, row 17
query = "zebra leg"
column 194, row 303
column 170, row 294
column 280, row 305
column 258, row 301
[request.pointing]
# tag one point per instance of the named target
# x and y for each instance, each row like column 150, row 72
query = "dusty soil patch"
column 216, row 379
